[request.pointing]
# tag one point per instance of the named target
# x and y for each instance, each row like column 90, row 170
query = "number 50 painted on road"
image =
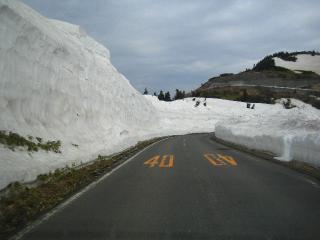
column 167, row 161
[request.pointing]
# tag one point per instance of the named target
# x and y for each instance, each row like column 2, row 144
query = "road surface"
column 189, row 187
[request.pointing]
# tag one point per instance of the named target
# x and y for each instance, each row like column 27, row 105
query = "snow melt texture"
column 57, row 83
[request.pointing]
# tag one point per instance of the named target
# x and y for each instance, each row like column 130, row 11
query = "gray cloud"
column 172, row 44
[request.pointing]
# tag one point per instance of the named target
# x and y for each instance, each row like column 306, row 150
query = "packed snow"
column 58, row 83
column 290, row 134
column 304, row 62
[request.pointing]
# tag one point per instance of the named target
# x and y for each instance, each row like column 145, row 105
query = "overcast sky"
column 168, row 44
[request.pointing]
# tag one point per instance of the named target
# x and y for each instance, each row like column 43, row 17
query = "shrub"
column 226, row 74
column 13, row 140
column 286, row 56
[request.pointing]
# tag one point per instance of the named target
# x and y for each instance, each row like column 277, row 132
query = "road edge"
column 299, row 166
column 75, row 196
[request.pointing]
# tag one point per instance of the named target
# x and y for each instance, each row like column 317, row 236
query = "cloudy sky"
column 168, row 44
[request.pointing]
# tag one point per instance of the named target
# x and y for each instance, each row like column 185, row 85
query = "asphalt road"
column 189, row 187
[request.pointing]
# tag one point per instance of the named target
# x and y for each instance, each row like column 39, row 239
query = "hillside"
column 276, row 76
column 305, row 62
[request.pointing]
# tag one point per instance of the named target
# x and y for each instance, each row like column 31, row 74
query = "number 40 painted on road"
column 167, row 161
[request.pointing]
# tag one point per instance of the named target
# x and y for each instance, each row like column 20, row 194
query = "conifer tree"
column 161, row 96
column 179, row 94
column 167, row 97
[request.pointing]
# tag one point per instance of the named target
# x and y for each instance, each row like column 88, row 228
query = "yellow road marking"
column 214, row 160
column 167, row 161
column 219, row 159
column 153, row 161
column 228, row 159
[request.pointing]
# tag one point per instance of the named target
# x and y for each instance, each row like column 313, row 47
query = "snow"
column 304, row 62
column 58, row 83
column 291, row 134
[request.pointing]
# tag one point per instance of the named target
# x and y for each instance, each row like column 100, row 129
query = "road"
column 189, row 187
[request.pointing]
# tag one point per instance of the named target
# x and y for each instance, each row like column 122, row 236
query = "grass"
column 13, row 140
column 22, row 204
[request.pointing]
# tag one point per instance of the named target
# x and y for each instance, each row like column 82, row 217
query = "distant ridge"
column 280, row 75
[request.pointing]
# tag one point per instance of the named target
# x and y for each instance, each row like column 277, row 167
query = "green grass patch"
column 22, row 204
column 13, row 140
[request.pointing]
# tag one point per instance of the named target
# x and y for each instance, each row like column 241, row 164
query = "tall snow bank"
column 288, row 133
column 57, row 83
column 304, row 62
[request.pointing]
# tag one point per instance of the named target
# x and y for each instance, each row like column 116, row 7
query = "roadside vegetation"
column 21, row 204
column 32, row 144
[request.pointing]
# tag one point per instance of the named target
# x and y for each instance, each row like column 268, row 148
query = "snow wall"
column 57, row 83
column 290, row 134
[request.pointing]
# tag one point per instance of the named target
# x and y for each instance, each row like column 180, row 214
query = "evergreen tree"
column 145, row 91
column 195, row 94
column 161, row 96
column 179, row 94
column 265, row 64
column 176, row 96
column 167, row 97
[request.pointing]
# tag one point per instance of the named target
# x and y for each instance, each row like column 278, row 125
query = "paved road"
column 189, row 187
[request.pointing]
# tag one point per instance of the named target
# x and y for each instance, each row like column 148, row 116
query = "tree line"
column 165, row 96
